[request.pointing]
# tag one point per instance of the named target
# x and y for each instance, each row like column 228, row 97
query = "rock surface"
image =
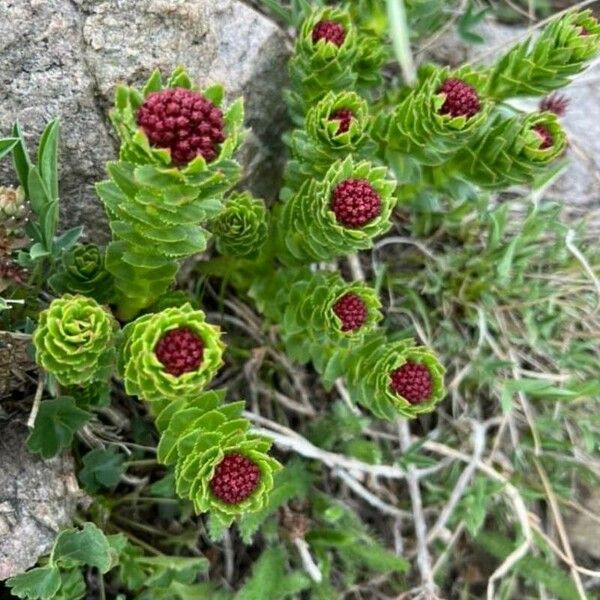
column 580, row 184
column 64, row 57
column 37, row 498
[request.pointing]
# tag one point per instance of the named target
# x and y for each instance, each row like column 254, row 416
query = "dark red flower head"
column 355, row 203
column 183, row 121
column 180, row 351
column 352, row 311
column 412, row 381
column 555, row 103
column 235, row 478
column 344, row 116
column 330, row 31
column 545, row 136
column 461, row 99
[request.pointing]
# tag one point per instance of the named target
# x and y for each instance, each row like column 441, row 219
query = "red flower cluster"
column 545, row 136
column 235, row 478
column 412, row 381
column 355, row 203
column 556, row 103
column 183, row 121
column 180, row 351
column 351, row 310
column 330, row 31
column 344, row 116
column 461, row 99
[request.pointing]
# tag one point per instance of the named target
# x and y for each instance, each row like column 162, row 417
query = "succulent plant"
column 394, row 378
column 320, row 315
column 242, row 228
column 439, row 116
column 334, row 128
column 219, row 465
column 330, row 56
column 82, row 271
column 175, row 165
column 170, row 355
column 512, row 150
column 340, row 214
column 75, row 340
column 534, row 68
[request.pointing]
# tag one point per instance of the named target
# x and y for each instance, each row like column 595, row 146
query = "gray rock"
column 64, row 57
column 37, row 498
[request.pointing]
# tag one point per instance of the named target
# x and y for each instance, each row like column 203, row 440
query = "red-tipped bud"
column 545, row 136
column 352, row 311
column 461, row 99
column 412, row 381
column 555, row 103
column 330, row 31
column 180, row 351
column 183, row 121
column 355, row 203
column 344, row 116
column 235, row 478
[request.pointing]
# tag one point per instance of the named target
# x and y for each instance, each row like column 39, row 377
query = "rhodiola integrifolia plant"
column 353, row 155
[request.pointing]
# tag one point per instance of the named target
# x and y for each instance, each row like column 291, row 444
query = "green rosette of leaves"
column 512, row 150
column 318, row 67
column 152, row 374
column 242, row 227
column 369, row 370
column 562, row 50
column 82, row 271
column 156, row 207
column 334, row 128
column 320, row 316
column 75, row 341
column 421, row 129
column 307, row 229
column 198, row 437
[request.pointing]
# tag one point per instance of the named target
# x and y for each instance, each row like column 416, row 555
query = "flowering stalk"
column 334, row 128
column 340, row 214
column 82, row 271
column 512, row 150
column 320, row 315
column 219, row 465
column 562, row 50
column 242, row 228
column 173, row 354
column 75, row 341
column 330, row 55
column 394, row 379
column 175, row 165
column 439, row 116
